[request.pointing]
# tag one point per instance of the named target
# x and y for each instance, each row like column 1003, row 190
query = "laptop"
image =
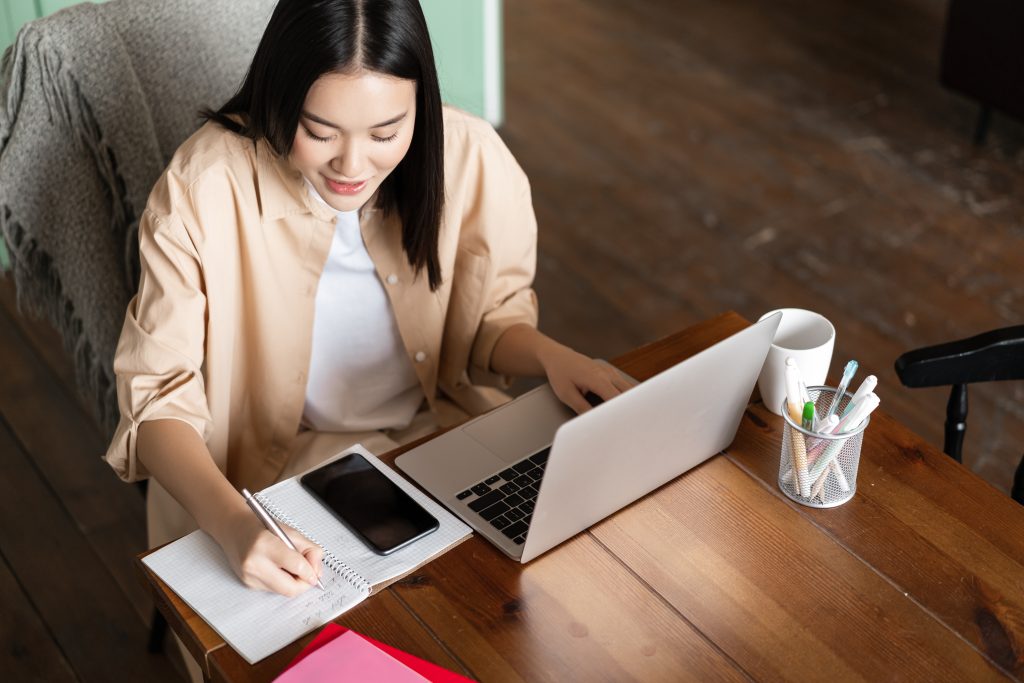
column 531, row 474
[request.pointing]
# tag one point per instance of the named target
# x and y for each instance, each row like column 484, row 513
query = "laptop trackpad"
column 521, row 427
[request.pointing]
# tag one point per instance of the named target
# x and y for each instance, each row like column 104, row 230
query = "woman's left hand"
column 572, row 375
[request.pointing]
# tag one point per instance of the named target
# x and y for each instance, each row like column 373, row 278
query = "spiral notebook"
column 258, row 623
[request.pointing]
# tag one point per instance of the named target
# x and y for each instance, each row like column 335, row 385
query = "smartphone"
column 372, row 506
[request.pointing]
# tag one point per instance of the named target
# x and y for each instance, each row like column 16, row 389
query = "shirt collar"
column 282, row 189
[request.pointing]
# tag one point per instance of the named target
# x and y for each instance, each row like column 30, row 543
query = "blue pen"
column 848, row 372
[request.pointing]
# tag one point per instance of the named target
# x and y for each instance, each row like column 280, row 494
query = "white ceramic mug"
column 805, row 336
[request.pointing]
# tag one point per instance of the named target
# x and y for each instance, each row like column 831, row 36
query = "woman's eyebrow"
column 314, row 117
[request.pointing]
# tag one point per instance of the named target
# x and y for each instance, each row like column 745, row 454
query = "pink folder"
column 351, row 649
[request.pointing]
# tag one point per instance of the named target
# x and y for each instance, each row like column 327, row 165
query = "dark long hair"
column 306, row 39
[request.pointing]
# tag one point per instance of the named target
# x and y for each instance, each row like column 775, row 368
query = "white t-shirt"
column 360, row 376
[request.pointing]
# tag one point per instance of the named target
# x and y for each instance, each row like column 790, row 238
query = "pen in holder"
column 820, row 470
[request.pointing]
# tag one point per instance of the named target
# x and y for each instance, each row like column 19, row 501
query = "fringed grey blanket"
column 93, row 102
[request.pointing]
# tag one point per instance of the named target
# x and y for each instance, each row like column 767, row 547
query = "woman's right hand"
column 176, row 455
column 262, row 561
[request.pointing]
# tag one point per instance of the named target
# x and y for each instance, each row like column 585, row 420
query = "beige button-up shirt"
column 232, row 246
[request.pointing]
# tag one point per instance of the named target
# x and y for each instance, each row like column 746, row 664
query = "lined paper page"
column 315, row 520
column 256, row 623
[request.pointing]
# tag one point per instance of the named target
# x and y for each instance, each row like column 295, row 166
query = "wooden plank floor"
column 686, row 157
column 693, row 156
column 70, row 528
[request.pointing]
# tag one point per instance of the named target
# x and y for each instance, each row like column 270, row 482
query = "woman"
column 332, row 258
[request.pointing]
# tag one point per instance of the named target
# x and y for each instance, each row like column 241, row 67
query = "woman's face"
column 353, row 131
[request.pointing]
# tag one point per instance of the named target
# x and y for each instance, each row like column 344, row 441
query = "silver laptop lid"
column 608, row 457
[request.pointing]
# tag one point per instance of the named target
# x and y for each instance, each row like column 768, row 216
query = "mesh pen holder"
column 820, row 470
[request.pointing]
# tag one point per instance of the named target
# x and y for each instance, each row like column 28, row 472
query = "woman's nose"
column 349, row 162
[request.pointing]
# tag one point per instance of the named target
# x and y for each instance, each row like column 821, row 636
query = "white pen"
column 865, row 388
column 805, row 396
column 271, row 525
column 860, row 413
column 795, row 409
column 793, row 402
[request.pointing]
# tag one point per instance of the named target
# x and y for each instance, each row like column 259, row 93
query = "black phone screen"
column 369, row 503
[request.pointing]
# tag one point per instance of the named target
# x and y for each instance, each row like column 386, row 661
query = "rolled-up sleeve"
column 509, row 227
column 159, row 358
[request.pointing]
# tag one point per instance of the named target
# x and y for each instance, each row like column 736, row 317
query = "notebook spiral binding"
column 346, row 572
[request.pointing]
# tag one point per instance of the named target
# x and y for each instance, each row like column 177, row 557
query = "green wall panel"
column 50, row 6
column 6, row 30
column 466, row 35
column 457, row 37
column 14, row 14
column 21, row 11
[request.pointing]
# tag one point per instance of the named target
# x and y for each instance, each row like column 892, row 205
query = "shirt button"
column 392, row 279
column 420, row 356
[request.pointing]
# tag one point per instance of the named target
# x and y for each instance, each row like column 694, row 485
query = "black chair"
column 992, row 356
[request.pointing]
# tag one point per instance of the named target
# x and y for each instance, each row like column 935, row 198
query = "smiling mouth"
column 345, row 188
column 346, row 182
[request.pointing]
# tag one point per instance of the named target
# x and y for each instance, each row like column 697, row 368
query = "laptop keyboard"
column 506, row 500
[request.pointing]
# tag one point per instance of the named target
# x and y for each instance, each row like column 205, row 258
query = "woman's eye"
column 316, row 137
column 387, row 139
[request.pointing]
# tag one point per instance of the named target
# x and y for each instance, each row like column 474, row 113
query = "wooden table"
column 718, row 576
